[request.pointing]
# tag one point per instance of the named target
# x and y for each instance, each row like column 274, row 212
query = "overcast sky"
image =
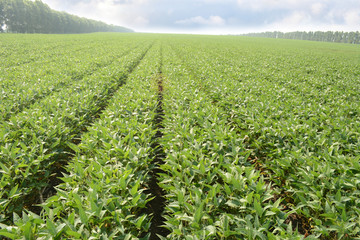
column 219, row 16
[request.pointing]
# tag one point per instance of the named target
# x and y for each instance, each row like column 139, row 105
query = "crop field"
column 150, row 136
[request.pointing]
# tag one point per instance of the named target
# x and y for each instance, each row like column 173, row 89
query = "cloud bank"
column 212, row 20
column 219, row 16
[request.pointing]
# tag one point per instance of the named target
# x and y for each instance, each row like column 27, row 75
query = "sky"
column 218, row 16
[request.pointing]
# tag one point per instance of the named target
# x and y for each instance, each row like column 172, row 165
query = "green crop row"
column 213, row 191
column 102, row 196
column 35, row 142
column 301, row 130
column 31, row 82
column 18, row 50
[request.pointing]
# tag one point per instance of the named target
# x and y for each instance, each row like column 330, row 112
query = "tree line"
column 25, row 16
column 329, row 36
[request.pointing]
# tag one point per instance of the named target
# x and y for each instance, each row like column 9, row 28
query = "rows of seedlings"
column 299, row 143
column 213, row 192
column 210, row 138
column 224, row 94
column 107, row 186
column 32, row 82
column 17, row 50
column 36, row 143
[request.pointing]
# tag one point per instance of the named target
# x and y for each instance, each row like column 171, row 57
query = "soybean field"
column 159, row 136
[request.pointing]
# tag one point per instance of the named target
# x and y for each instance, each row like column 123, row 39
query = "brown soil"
column 156, row 206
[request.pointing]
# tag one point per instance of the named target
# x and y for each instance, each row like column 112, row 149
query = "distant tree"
column 26, row 16
column 2, row 15
column 329, row 36
column 357, row 37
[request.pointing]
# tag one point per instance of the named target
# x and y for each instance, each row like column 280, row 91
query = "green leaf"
column 277, row 203
column 338, row 196
column 258, row 208
column 134, row 189
column 73, row 147
column 13, row 191
column 5, row 233
column 73, row 234
column 249, row 198
column 177, row 231
column 180, row 195
column 83, row 215
column 343, row 215
column 60, row 228
column 135, row 199
column 211, row 229
column 27, row 231
column 5, row 170
column 51, row 228
column 199, row 213
column 227, row 189
column 140, row 220
column 77, row 199
column 16, row 218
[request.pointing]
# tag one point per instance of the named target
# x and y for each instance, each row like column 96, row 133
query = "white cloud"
column 295, row 15
column 317, row 8
column 306, row 21
column 352, row 17
column 141, row 21
column 271, row 4
column 296, row 18
column 128, row 13
column 212, row 20
column 292, row 21
column 216, row 1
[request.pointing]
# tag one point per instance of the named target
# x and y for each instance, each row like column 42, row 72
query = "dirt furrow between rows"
column 156, row 206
